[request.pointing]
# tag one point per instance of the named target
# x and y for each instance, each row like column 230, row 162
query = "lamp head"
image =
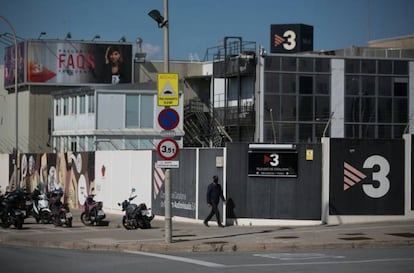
column 156, row 15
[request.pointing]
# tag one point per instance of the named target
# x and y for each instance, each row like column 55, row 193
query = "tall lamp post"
column 17, row 104
column 162, row 22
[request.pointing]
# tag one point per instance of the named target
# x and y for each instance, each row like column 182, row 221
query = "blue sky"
column 196, row 25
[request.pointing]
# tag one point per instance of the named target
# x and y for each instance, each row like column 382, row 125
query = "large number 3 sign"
column 380, row 176
column 290, row 36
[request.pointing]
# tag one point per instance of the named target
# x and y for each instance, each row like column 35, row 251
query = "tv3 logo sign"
column 352, row 176
column 287, row 40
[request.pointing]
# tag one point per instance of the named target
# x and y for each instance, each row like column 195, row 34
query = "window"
column 139, row 111
column 57, row 106
column 305, row 84
column 65, row 106
column 91, row 103
column 73, row 105
column 82, row 104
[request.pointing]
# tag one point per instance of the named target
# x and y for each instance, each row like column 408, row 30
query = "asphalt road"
column 19, row 259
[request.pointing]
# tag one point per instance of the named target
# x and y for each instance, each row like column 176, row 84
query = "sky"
column 196, row 25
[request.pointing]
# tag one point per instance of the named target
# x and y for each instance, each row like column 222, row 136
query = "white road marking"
column 177, row 258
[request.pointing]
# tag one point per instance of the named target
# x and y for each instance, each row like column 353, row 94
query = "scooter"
column 92, row 212
column 136, row 216
column 61, row 215
column 12, row 209
column 40, row 209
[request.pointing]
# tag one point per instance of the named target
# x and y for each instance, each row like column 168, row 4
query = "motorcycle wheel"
column 69, row 222
column 125, row 223
column 85, row 220
column 18, row 223
column 5, row 223
column 56, row 219
column 44, row 217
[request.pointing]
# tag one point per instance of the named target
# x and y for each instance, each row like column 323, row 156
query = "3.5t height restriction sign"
column 167, row 148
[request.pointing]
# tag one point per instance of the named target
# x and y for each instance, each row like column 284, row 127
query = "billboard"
column 71, row 63
column 273, row 163
column 291, row 38
column 9, row 64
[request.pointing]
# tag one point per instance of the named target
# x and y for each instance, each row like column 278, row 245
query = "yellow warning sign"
column 168, row 94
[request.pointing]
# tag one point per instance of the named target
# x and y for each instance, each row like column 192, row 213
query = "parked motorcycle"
column 136, row 216
column 40, row 207
column 13, row 209
column 92, row 211
column 61, row 215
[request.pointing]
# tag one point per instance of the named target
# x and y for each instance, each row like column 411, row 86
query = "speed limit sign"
column 167, row 148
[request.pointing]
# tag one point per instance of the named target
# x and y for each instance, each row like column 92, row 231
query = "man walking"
column 214, row 194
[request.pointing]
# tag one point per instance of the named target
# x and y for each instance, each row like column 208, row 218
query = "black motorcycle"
column 136, row 216
column 61, row 215
column 13, row 209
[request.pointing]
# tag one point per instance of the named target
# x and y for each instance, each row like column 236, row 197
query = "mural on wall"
column 74, row 173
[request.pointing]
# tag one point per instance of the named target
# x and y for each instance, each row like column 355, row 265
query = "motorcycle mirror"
column 119, row 204
column 133, row 190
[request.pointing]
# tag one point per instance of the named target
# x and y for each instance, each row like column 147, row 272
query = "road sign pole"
column 168, row 224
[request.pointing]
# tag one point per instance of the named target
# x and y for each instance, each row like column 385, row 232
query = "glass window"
column 322, row 108
column 400, row 89
column 288, row 108
column 384, row 110
column 384, row 86
column 65, row 106
column 368, row 131
column 91, row 143
column 272, row 82
column 384, row 131
column 352, row 110
column 384, row 67
column 147, row 111
column 305, row 132
column 352, row 66
column 305, row 84
column 322, row 84
column 401, row 67
column 91, row 103
column 288, row 63
column 272, row 63
column 272, row 102
column 368, row 85
column 306, row 64
column 57, row 106
column 287, row 133
column 351, row 130
column 73, row 105
column 352, row 85
column 400, row 110
column 368, row 66
column 82, row 104
column 323, row 65
column 288, row 83
column 368, row 110
column 132, row 108
column 305, row 108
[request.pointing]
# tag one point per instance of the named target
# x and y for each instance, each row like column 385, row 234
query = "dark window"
column 384, row 131
column 305, row 84
column 401, row 67
column 384, row 110
column 352, row 85
column 352, row 110
column 288, row 64
column 305, row 108
column 272, row 82
column 287, row 133
column 271, row 102
column 352, row 66
column 400, row 89
column 323, row 65
column 306, row 65
column 288, row 83
column 368, row 110
column 400, row 111
column 368, row 85
column 384, row 86
column 322, row 84
column 305, row 132
column 272, row 63
column 384, row 67
column 288, row 108
column 368, row 66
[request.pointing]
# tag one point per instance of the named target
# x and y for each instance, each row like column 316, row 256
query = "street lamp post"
column 162, row 22
column 17, row 104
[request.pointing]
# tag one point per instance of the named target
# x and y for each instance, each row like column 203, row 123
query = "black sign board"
column 291, row 38
column 273, row 163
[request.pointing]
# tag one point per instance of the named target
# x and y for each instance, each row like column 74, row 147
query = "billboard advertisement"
column 366, row 177
column 78, row 63
column 9, row 64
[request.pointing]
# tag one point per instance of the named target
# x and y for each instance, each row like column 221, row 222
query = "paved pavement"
column 188, row 237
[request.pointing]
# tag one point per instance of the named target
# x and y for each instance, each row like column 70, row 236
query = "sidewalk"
column 188, row 237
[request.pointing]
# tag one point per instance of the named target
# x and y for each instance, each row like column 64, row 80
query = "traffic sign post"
column 168, row 119
column 167, row 148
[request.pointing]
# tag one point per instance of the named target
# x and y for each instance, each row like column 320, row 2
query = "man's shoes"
column 206, row 224
column 220, row 225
